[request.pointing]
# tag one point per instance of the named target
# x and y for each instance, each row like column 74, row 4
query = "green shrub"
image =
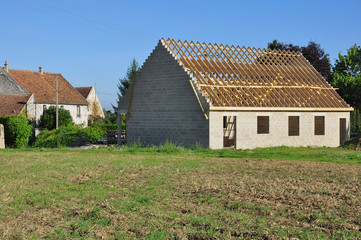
column 17, row 131
column 64, row 136
column 48, row 119
column 106, row 127
column 94, row 133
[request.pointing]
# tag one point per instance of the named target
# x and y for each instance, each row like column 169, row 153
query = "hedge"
column 63, row 136
column 106, row 127
column 17, row 131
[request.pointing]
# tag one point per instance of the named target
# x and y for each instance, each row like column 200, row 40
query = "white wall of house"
column 248, row 138
column 94, row 107
column 36, row 110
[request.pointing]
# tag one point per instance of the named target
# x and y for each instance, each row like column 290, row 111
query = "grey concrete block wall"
column 164, row 105
column 247, row 137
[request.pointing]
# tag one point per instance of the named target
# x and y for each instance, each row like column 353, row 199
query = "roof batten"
column 234, row 76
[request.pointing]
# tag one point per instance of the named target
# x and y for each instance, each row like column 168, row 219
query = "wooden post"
column 119, row 128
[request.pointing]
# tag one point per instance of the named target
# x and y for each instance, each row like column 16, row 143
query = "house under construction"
column 223, row 96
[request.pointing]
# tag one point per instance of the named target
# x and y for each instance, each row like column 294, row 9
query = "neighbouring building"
column 32, row 92
column 94, row 107
column 223, row 96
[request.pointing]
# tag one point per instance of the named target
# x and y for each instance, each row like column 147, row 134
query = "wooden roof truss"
column 233, row 76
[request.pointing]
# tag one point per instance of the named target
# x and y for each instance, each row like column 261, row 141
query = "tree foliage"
column 356, row 121
column 347, row 76
column 349, row 64
column 17, row 131
column 125, row 82
column 312, row 52
column 48, row 119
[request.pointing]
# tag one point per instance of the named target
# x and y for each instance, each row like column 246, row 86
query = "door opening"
column 229, row 131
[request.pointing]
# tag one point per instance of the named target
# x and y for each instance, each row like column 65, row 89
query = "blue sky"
column 91, row 42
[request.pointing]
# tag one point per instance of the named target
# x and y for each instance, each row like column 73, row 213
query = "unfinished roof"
column 12, row 104
column 233, row 77
column 43, row 85
column 84, row 91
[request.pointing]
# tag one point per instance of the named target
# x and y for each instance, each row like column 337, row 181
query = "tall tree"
column 125, row 82
column 349, row 64
column 347, row 76
column 312, row 52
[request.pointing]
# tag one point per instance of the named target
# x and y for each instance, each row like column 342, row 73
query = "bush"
column 48, row 119
column 17, row 131
column 63, row 136
column 94, row 133
column 106, row 127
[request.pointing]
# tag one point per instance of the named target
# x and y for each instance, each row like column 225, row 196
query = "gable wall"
column 164, row 106
column 95, row 108
column 8, row 86
column 247, row 137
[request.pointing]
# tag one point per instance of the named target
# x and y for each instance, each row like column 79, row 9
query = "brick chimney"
column 6, row 66
column 41, row 70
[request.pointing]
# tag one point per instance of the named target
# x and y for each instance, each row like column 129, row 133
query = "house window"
column 78, row 111
column 44, row 108
column 62, row 107
column 262, row 124
column 293, row 125
column 319, row 125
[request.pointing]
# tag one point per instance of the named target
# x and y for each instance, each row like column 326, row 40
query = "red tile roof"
column 84, row 91
column 44, row 86
column 12, row 104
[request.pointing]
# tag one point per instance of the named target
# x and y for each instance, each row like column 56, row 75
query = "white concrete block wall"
column 164, row 106
column 247, row 137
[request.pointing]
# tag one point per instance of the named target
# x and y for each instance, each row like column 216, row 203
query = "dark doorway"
column 342, row 130
column 229, row 131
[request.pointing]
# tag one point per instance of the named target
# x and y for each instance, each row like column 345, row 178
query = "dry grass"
column 82, row 194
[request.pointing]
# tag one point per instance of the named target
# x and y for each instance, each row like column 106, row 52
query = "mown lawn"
column 172, row 193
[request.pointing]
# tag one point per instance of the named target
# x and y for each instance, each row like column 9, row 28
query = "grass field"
column 173, row 193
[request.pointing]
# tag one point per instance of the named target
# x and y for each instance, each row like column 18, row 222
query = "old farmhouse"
column 229, row 96
column 31, row 92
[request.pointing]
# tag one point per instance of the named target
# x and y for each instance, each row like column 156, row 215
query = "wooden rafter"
column 236, row 77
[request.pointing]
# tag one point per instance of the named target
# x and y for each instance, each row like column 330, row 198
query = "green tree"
column 125, row 82
column 110, row 117
column 347, row 76
column 356, row 121
column 312, row 52
column 48, row 119
column 349, row 64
